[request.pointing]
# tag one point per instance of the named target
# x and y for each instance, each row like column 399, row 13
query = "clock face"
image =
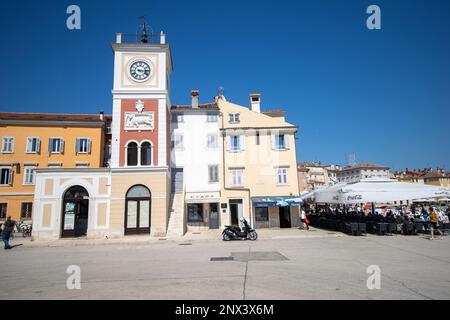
column 140, row 70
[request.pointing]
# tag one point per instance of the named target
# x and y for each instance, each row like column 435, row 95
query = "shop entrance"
column 213, row 216
column 235, row 211
column 75, row 212
column 285, row 217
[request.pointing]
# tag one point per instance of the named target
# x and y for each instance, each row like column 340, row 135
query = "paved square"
column 318, row 266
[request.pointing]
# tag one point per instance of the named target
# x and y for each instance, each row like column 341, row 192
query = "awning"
column 276, row 201
column 377, row 191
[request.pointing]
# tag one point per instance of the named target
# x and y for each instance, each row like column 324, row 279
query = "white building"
column 363, row 171
column 195, row 163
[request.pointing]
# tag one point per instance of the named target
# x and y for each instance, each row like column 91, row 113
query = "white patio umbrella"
column 378, row 190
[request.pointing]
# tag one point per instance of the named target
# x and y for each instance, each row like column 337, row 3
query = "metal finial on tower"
column 143, row 30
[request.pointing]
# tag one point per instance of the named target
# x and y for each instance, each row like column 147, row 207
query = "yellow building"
column 31, row 141
column 259, row 166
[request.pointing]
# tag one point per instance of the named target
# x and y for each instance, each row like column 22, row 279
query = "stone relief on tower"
column 139, row 120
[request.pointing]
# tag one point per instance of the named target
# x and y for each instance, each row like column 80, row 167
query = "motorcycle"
column 234, row 232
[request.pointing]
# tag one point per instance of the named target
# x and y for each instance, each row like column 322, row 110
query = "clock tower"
column 140, row 146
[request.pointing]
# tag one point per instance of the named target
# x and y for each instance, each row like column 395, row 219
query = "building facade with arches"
column 131, row 196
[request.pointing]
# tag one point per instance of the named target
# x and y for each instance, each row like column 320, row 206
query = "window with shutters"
column 83, row 145
column 55, row 145
column 33, row 145
column 280, row 142
column 235, row 143
column 213, row 173
column 8, row 145
column 6, row 176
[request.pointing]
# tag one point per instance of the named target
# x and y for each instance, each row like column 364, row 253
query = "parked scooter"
column 234, row 233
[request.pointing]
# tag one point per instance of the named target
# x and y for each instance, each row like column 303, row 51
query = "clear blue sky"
column 383, row 95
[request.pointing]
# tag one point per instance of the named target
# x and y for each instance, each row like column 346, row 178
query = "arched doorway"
column 75, row 212
column 138, row 210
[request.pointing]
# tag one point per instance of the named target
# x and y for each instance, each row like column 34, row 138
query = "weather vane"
column 143, row 28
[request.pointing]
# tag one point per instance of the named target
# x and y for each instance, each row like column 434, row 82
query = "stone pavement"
column 275, row 233
column 282, row 264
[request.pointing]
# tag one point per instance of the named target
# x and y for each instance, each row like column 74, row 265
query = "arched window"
column 132, row 154
column 138, row 210
column 146, row 154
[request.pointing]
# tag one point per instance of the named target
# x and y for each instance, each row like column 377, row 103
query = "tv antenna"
column 351, row 159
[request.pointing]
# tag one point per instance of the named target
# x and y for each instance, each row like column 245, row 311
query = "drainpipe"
column 224, row 174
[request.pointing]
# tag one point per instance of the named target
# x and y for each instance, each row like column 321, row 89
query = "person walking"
column 304, row 220
column 8, row 228
column 435, row 224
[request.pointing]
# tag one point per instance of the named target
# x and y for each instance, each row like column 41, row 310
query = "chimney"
column 255, row 102
column 119, row 38
column 194, row 94
column 162, row 38
column 102, row 115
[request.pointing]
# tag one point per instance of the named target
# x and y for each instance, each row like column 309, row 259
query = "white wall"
column 195, row 157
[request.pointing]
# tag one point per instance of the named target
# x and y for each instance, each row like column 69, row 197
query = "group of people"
column 5, row 230
column 400, row 215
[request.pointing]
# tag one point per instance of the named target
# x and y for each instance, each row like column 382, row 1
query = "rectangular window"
column 178, row 142
column 83, row 145
column 213, row 173
column 6, row 176
column 211, row 117
column 282, row 176
column 280, row 142
column 257, row 138
column 212, row 141
column 26, row 210
column 55, row 145
column 262, row 214
column 234, row 117
column 195, row 212
column 8, row 145
column 28, row 175
column 177, row 117
column 236, row 178
column 235, row 143
column 33, row 145
column 3, row 210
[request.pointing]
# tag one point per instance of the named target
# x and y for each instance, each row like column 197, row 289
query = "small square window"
column 234, row 117
column 212, row 117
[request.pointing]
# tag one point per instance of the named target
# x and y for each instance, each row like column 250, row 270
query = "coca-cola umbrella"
column 378, row 191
